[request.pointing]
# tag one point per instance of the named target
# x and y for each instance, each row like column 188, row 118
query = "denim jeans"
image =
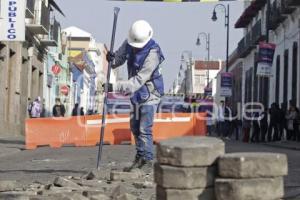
column 141, row 123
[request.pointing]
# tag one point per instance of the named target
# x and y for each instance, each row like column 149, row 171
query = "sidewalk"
column 285, row 145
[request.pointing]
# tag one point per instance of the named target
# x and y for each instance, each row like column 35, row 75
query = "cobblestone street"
column 45, row 164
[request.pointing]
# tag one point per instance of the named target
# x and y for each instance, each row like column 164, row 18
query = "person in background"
column 36, row 108
column 282, row 121
column 246, row 124
column 221, row 119
column 290, row 119
column 263, row 124
column 209, row 123
column 44, row 112
column 228, row 121
column 255, row 127
column 81, row 111
column 58, row 109
column 76, row 111
column 274, row 122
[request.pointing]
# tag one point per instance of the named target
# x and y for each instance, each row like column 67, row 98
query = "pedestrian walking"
column 224, row 119
column 290, row 119
column 76, row 110
column 255, row 128
column 81, row 111
column 209, row 123
column 36, row 108
column 274, row 123
column 145, row 87
column 58, row 109
column 263, row 124
column 221, row 119
column 246, row 124
column 282, row 121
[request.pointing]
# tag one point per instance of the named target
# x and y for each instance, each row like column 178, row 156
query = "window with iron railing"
column 30, row 5
column 55, row 28
column 256, row 32
column 45, row 17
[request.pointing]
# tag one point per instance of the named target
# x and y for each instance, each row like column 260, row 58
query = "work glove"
column 109, row 87
column 110, row 56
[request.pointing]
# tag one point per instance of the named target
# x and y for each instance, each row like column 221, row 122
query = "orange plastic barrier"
column 55, row 132
column 85, row 130
column 117, row 129
column 168, row 125
column 200, row 128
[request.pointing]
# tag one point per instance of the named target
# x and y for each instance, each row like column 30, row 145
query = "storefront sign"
column 12, row 20
column 226, row 84
column 208, row 92
column 265, row 59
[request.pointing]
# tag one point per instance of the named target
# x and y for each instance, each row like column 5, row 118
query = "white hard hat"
column 140, row 34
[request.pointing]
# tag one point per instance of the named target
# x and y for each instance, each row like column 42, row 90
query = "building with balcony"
column 284, row 23
column 55, row 81
column 88, row 67
column 22, row 68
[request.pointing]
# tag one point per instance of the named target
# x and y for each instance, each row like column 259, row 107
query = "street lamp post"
column 188, row 69
column 198, row 43
column 214, row 18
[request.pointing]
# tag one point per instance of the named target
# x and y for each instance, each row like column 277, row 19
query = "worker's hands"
column 109, row 87
column 110, row 56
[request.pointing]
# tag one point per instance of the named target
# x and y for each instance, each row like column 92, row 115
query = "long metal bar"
column 104, row 112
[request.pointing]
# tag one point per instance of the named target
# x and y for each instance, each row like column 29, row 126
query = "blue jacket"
column 145, row 81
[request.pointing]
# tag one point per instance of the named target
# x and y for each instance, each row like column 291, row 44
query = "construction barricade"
column 85, row 130
column 117, row 129
column 55, row 132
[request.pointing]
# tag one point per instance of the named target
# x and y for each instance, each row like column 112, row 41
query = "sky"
column 176, row 26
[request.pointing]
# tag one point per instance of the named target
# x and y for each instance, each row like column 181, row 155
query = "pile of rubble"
column 96, row 185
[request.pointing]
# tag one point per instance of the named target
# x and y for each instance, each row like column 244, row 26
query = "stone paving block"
column 249, row 189
column 64, row 182
column 190, row 151
column 118, row 191
column 193, row 194
column 184, row 177
column 99, row 196
column 8, row 185
column 97, row 174
column 118, row 175
column 126, row 197
column 252, row 165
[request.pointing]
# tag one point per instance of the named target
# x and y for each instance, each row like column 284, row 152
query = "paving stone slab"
column 126, row 197
column 253, row 165
column 184, row 177
column 64, row 182
column 119, row 175
column 99, row 196
column 193, row 194
column 249, row 189
column 190, row 151
column 97, row 174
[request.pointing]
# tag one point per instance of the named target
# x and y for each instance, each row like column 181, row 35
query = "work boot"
column 146, row 166
column 135, row 164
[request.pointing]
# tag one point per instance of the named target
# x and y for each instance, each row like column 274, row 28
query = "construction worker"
column 145, row 87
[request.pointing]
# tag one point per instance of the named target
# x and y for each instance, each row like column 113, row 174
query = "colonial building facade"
column 284, row 32
column 22, row 69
